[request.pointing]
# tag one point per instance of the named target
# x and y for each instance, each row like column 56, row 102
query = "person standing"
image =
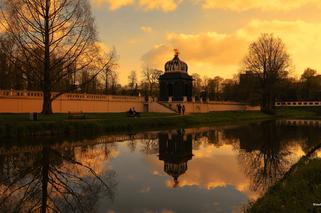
column 183, row 109
column 179, row 108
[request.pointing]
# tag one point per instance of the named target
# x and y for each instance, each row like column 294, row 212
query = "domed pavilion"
column 176, row 82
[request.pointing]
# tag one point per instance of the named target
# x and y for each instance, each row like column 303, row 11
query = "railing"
column 68, row 96
column 20, row 93
column 297, row 103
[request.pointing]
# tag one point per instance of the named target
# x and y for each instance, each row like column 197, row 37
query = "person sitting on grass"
column 132, row 113
column 136, row 114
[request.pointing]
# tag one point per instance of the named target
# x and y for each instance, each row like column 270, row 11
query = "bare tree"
column 55, row 35
column 132, row 81
column 150, row 77
column 111, row 65
column 269, row 59
column 218, row 81
column 114, row 82
column 197, row 84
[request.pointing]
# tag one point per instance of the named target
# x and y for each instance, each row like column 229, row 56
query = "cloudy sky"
column 212, row 35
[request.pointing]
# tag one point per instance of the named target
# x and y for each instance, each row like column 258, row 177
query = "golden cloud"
column 163, row 5
column 234, row 5
column 243, row 5
column 113, row 4
column 206, row 171
column 215, row 53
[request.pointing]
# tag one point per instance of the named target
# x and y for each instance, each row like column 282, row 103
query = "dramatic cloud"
column 221, row 54
column 163, row 5
column 113, row 4
column 242, row 5
column 234, row 5
column 206, row 171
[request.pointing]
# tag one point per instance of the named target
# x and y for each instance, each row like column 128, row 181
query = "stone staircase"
column 168, row 106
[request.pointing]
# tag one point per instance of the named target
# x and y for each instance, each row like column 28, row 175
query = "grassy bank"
column 19, row 125
column 295, row 192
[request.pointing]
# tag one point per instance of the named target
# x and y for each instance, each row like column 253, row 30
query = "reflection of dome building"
column 175, row 150
column 175, row 82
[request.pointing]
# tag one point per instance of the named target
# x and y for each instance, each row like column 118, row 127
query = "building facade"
column 175, row 82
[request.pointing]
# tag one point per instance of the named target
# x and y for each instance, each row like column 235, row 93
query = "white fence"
column 297, row 103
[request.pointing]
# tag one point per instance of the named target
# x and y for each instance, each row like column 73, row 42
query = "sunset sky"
column 212, row 35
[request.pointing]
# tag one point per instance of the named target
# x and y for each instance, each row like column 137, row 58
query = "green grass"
column 300, row 112
column 296, row 193
column 14, row 117
column 19, row 125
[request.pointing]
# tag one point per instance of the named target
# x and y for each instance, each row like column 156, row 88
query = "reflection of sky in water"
column 226, row 167
column 142, row 186
column 214, row 182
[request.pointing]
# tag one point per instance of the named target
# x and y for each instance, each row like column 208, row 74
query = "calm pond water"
column 209, row 169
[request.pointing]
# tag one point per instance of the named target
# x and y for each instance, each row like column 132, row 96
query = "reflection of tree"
column 213, row 137
column 267, row 162
column 297, row 189
column 51, row 181
column 131, row 143
column 149, row 146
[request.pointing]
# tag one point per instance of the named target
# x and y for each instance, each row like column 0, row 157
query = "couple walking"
column 181, row 109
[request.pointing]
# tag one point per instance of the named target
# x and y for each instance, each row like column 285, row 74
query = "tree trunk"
column 46, row 107
column 45, row 179
column 268, row 100
column 106, row 83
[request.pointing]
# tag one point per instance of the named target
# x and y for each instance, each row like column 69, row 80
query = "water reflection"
column 213, row 169
column 175, row 149
column 51, row 180
column 269, row 160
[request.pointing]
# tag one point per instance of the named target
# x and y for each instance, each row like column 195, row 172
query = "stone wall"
column 28, row 101
column 31, row 101
column 212, row 106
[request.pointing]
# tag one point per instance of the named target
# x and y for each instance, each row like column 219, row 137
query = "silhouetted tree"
column 269, row 60
column 197, row 85
column 110, row 69
column 60, row 29
column 311, row 85
column 132, row 81
column 150, row 79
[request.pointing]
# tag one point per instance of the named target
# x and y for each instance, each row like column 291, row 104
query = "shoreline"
column 17, row 125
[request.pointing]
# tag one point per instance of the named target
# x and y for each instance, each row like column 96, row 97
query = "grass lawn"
column 12, row 125
column 14, row 117
column 295, row 192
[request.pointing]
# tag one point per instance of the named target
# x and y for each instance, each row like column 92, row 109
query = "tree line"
column 245, row 87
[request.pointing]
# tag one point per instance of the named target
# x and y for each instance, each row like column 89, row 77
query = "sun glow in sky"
column 212, row 35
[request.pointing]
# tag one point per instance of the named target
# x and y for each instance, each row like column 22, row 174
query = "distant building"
column 248, row 77
column 249, row 88
column 175, row 82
